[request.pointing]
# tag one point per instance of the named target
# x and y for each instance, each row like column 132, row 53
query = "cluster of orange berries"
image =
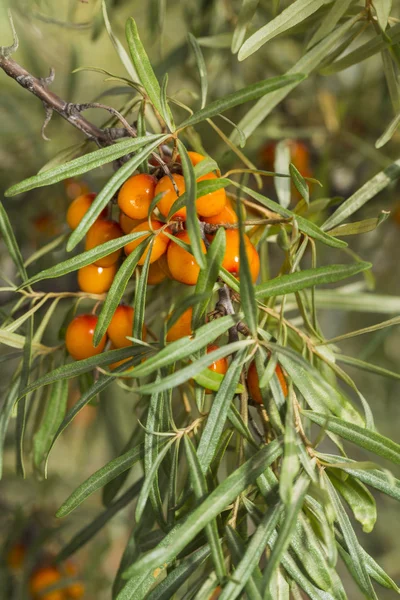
column 46, row 576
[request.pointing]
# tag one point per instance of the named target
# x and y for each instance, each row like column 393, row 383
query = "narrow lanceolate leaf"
column 52, row 419
column 100, row 478
column 281, row 165
column 117, row 289
column 219, row 411
column 366, row 366
column 295, row 13
column 247, row 295
column 8, row 236
column 192, row 221
column 253, row 553
column 237, row 548
column 363, row 195
column 370, row 440
column 83, row 259
column 383, row 9
column 152, row 446
column 246, row 14
column 359, row 227
column 351, row 541
column 140, row 295
column 247, row 94
column 373, row 569
column 304, row 225
column 21, row 408
column 81, row 165
column 290, row 462
column 294, row 282
column 218, row 500
column 169, row 120
column 130, row 69
column 201, row 67
column 199, row 485
column 5, row 415
column 209, row 275
column 300, row 183
column 359, row 499
column 285, row 531
column 143, row 66
column 108, row 191
column 389, row 132
column 329, row 22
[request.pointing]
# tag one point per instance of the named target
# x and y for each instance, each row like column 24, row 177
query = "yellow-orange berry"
column 136, row 194
column 159, row 246
column 75, row 590
column 79, row 337
column 166, row 186
column 218, row 366
column 126, row 223
column 156, row 273
column 231, row 259
column 96, row 280
column 254, row 263
column 78, row 208
column 226, row 216
column 254, row 386
column 103, row 231
column 195, row 157
column 75, row 188
column 16, row 556
column 121, row 326
column 182, row 327
column 212, row 203
column 181, row 263
column 216, row 593
column 43, row 578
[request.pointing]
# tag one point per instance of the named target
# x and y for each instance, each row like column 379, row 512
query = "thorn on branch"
column 49, row 79
column 47, row 119
column 7, row 51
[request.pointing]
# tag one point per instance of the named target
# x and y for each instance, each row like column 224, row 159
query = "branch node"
column 49, row 79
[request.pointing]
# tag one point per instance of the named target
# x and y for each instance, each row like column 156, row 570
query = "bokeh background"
column 338, row 118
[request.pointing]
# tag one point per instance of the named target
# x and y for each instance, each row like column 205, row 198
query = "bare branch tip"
column 6, row 51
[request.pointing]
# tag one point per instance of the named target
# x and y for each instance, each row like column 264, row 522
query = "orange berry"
column 216, row 593
column 218, row 366
column 195, row 157
column 121, row 326
column 75, row 188
column 231, row 259
column 78, row 208
column 75, row 590
column 135, row 196
column 126, row 223
column 165, row 185
column 181, row 328
column 156, row 273
column 79, row 337
column 212, row 203
column 253, row 382
column 96, row 280
column 43, row 578
column 181, row 263
column 163, row 262
column 227, row 215
column 159, row 246
column 16, row 556
column 100, row 232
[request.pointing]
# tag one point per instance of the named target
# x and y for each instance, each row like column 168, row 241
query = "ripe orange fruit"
column 163, row 262
column 103, row 231
column 227, row 215
column 121, row 325
column 75, row 188
column 79, row 337
column 218, row 366
column 156, row 273
column 181, row 263
column 195, row 157
column 253, row 382
column 231, row 259
column 79, row 207
column 16, row 556
column 75, row 590
column 212, row 203
column 165, row 185
column 96, row 280
column 41, row 579
column 126, row 223
column 182, row 327
column 135, row 196
column 216, row 593
column 159, row 246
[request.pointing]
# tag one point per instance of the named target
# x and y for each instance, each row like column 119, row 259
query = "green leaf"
column 370, row 440
column 281, row 166
column 212, row 381
column 237, row 549
column 360, row 227
column 82, row 164
column 366, row 366
column 21, row 407
column 247, row 293
column 295, row 13
column 256, row 115
column 359, row 500
column 359, row 302
column 300, row 183
column 54, row 414
column 247, row 94
column 390, row 70
column 247, row 11
column 140, row 295
column 11, row 243
column 108, row 191
column 290, row 463
column 178, row 538
column 285, row 531
column 100, row 478
column 118, row 46
column 201, row 67
column 253, row 553
column 209, row 275
column 389, row 132
column 199, row 486
column 148, row 482
column 304, row 225
column 88, row 532
column 169, row 120
column 383, row 9
column 300, row 280
column 363, row 195
column 373, row 569
column 5, row 415
column 192, row 221
column 143, row 66
column 329, row 22
column 203, row 187
column 117, row 290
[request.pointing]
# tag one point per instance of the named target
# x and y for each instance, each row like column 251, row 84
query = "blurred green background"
column 338, row 117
